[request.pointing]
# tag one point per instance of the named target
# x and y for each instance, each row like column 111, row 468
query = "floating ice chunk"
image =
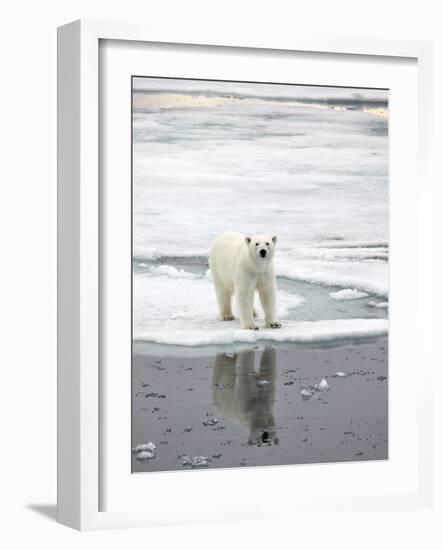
column 145, row 455
column 323, row 385
column 145, row 447
column 348, row 294
column 196, row 461
column 263, row 382
column 340, row 374
column 145, row 451
column 199, row 461
column 210, row 422
column 379, row 305
column 306, row 393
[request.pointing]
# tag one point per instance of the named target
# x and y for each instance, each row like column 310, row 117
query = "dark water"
column 245, row 408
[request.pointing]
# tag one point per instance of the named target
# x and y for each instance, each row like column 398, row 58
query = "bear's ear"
column 274, row 239
column 248, row 240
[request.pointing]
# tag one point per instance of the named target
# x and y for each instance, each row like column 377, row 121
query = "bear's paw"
column 250, row 326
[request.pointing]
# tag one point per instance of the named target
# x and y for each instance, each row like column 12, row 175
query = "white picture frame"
column 80, row 429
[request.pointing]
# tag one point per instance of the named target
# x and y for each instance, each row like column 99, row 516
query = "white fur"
column 238, row 268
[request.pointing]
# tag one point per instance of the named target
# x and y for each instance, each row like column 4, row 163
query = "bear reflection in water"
column 246, row 395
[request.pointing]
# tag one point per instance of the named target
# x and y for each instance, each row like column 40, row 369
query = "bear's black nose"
column 262, row 253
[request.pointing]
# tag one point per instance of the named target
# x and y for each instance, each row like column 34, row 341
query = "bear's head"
column 261, row 247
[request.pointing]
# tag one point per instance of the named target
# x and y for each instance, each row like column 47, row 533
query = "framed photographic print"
column 239, row 291
column 260, row 294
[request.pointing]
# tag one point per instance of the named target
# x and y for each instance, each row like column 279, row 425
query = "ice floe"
column 348, row 294
column 210, row 422
column 204, row 332
column 184, row 303
column 199, row 461
column 378, row 305
column 145, row 447
column 370, row 276
column 323, row 385
column 145, row 451
column 183, row 311
column 145, row 455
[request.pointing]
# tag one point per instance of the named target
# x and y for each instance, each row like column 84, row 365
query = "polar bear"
column 241, row 265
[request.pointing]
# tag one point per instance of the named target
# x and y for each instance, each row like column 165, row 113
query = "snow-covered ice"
column 213, row 332
column 370, row 276
column 308, row 164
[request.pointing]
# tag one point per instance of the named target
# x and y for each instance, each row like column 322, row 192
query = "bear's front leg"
column 267, row 291
column 245, row 301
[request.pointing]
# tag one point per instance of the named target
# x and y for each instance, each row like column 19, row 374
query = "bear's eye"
column 267, row 244
column 256, row 244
